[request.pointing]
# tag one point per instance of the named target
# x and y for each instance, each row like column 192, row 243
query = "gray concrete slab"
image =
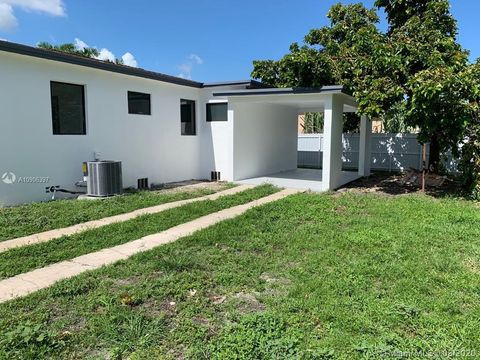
column 305, row 179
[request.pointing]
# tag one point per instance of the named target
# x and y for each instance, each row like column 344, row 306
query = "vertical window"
column 68, row 108
column 187, row 116
column 217, row 112
column 139, row 103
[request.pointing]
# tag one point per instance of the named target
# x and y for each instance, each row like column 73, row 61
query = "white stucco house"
column 59, row 110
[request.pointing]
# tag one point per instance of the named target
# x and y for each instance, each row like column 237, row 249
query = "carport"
column 264, row 126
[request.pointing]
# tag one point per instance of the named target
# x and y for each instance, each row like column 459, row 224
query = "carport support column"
column 332, row 143
column 365, row 149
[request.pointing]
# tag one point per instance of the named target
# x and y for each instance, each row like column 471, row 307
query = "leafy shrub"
column 470, row 159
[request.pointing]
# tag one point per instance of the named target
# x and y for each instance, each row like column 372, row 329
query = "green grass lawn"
column 23, row 259
column 37, row 217
column 308, row 277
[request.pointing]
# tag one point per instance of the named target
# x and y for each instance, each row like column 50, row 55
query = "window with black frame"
column 139, row 103
column 68, row 108
column 217, row 112
column 187, row 117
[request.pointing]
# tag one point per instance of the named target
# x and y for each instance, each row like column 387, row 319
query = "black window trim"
column 215, row 103
column 194, row 117
column 84, row 110
column 149, row 105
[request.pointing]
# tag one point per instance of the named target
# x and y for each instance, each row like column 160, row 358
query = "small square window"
column 68, row 108
column 187, row 117
column 139, row 103
column 217, row 112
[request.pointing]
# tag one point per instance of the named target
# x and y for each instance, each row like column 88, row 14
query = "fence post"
column 319, row 158
column 420, row 160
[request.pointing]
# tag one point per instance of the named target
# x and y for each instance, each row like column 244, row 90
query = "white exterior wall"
column 217, row 137
column 259, row 138
column 148, row 146
column 365, row 148
column 265, row 138
column 332, row 146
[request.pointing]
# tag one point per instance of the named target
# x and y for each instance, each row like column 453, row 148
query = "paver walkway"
column 32, row 281
column 57, row 233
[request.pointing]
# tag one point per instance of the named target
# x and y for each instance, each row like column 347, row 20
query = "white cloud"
column 106, row 54
column 129, row 59
column 185, row 71
column 187, row 67
column 8, row 21
column 52, row 7
column 196, row 59
column 79, row 44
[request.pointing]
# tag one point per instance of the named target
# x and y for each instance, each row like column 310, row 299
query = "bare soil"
column 391, row 184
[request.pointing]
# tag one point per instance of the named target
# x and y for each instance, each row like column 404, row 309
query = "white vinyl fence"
column 390, row 152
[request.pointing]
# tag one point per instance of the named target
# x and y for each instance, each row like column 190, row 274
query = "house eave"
column 328, row 89
column 249, row 84
column 15, row 48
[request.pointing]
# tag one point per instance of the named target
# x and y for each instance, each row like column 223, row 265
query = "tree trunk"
column 434, row 159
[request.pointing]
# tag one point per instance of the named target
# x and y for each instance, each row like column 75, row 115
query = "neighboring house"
column 301, row 124
column 58, row 110
column 310, row 123
column 377, row 126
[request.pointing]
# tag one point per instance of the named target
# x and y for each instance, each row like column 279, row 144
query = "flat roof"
column 328, row 89
column 304, row 99
column 252, row 84
column 55, row 55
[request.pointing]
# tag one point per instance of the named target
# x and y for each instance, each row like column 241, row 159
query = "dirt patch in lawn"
column 75, row 326
column 472, row 265
column 154, row 309
column 272, row 279
column 391, row 184
column 247, row 302
column 187, row 186
column 217, row 299
column 340, row 209
column 275, row 285
column 191, row 185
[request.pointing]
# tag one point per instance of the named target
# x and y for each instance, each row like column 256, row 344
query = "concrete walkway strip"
column 74, row 229
column 24, row 284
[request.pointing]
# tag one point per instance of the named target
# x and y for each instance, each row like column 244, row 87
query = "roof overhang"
column 304, row 99
column 248, row 84
column 53, row 55
column 93, row 63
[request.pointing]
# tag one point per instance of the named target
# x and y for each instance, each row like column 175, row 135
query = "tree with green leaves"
column 432, row 66
column 411, row 68
column 470, row 144
column 70, row 48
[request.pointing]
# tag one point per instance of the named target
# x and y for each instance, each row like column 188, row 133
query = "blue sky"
column 207, row 40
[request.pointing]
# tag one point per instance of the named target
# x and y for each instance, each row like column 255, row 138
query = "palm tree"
column 69, row 48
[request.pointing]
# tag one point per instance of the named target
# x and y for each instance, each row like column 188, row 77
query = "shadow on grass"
column 390, row 183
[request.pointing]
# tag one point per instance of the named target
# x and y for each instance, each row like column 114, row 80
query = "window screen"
column 68, row 108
